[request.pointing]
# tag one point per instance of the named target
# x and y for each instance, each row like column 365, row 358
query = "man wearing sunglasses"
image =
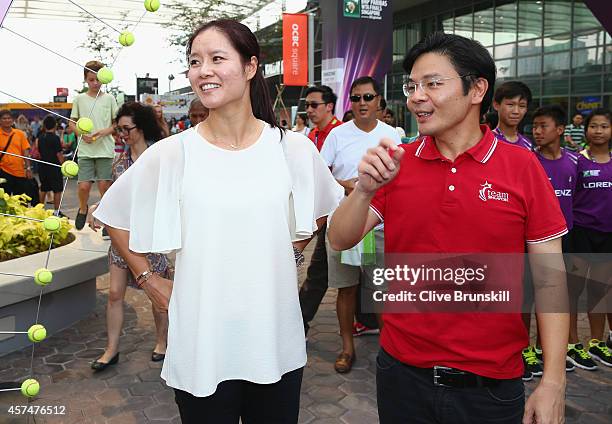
column 320, row 107
column 342, row 152
column 458, row 190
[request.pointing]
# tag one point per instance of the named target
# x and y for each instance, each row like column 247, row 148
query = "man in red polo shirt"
column 458, row 190
column 320, row 107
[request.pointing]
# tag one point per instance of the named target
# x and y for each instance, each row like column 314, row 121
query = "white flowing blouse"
column 231, row 216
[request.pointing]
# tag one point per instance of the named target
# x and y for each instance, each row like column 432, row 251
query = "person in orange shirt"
column 15, row 170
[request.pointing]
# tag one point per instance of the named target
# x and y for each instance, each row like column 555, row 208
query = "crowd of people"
column 237, row 196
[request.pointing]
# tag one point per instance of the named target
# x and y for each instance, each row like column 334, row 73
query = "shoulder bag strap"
column 8, row 143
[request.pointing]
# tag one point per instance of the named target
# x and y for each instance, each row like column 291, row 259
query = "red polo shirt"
column 318, row 136
column 493, row 198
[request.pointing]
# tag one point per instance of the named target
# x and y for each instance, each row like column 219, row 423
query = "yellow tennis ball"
column 43, row 276
column 104, row 75
column 151, row 5
column 30, row 388
column 52, row 224
column 126, row 38
column 70, row 169
column 85, row 125
column 37, row 333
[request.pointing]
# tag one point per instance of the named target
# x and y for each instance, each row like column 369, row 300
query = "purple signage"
column 357, row 41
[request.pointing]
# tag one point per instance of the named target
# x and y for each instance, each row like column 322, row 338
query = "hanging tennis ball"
column 85, row 125
column 104, row 75
column 52, row 224
column 126, row 38
column 70, row 169
column 43, row 276
column 30, row 388
column 37, row 333
column 151, row 5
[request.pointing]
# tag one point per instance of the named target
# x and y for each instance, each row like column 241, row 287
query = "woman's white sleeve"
column 315, row 193
column 145, row 200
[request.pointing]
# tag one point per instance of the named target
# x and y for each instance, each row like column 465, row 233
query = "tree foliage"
column 187, row 16
column 101, row 41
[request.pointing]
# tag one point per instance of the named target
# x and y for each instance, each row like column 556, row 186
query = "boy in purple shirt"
column 511, row 100
column 592, row 234
column 559, row 163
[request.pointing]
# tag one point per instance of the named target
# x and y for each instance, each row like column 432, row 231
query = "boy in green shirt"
column 96, row 152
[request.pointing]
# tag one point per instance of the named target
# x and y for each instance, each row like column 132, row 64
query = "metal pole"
column 311, row 46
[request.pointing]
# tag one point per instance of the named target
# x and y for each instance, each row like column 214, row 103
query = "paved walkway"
column 132, row 391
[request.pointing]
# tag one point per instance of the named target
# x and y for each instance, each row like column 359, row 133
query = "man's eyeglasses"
column 313, row 105
column 368, row 97
column 427, row 85
column 127, row 130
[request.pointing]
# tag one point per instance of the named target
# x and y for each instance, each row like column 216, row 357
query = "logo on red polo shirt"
column 487, row 193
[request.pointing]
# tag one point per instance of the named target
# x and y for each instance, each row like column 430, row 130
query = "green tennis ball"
column 126, row 38
column 104, row 75
column 70, row 169
column 85, row 125
column 43, row 276
column 52, row 224
column 30, row 388
column 37, row 333
column 151, row 5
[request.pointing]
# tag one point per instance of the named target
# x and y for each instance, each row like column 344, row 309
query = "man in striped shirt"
column 574, row 134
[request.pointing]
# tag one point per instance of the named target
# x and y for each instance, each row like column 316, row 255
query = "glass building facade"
column 557, row 47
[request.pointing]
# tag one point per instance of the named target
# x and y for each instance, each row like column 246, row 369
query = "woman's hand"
column 159, row 290
column 93, row 223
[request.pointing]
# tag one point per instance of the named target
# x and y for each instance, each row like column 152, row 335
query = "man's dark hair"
column 469, row 58
column 389, row 112
column 512, row 89
column 366, row 80
column 327, row 94
column 5, row 112
column 556, row 112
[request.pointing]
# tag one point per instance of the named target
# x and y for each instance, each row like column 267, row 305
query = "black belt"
column 452, row 377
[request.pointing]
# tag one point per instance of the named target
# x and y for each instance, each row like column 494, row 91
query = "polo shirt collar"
column 333, row 123
column 481, row 152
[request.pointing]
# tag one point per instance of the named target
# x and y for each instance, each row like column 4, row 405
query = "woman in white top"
column 233, row 196
column 301, row 124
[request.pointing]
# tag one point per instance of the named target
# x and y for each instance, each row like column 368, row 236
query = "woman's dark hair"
column 303, row 117
column 470, row 59
column 144, row 118
column 245, row 43
column 49, row 122
column 596, row 112
column 348, row 116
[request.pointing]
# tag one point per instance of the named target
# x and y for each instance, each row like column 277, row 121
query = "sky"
column 33, row 73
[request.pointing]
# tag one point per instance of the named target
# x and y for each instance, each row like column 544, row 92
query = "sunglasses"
column 366, row 97
column 313, row 105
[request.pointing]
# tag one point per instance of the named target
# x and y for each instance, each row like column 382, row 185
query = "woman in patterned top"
column 138, row 129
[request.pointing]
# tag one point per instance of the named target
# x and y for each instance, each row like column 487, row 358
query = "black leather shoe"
column 100, row 366
column 80, row 220
column 156, row 357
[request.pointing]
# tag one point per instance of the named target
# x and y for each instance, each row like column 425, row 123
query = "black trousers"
column 20, row 185
column 407, row 395
column 314, row 287
column 252, row 403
